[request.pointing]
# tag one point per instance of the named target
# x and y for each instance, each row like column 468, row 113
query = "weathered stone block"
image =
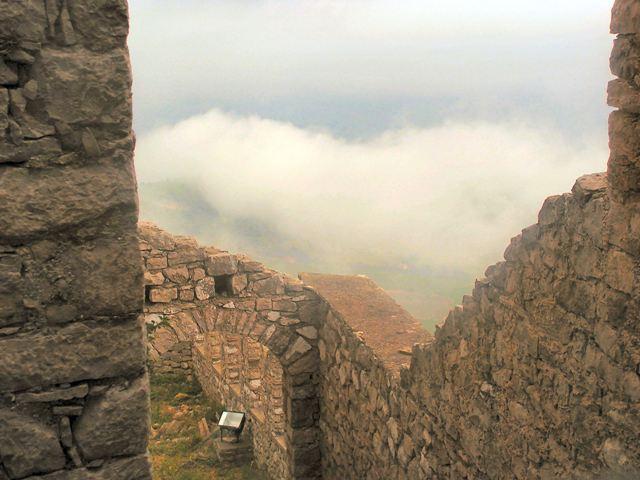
column 621, row 94
column 163, row 295
column 625, row 17
column 76, row 352
column 269, row 286
column 100, row 25
column 155, row 236
column 298, row 348
column 157, row 262
column 67, row 78
column 116, row 423
column 308, row 332
column 177, row 274
column 35, row 202
column 35, row 153
column 620, row 271
column 197, row 274
column 153, row 278
column 625, row 58
column 134, row 468
column 28, row 446
column 246, row 264
column 186, row 252
column 64, row 431
column 624, row 161
column 263, row 304
column 238, row 283
column 67, row 410
column 284, row 305
column 55, row 394
column 186, row 294
column 306, row 364
column 23, row 21
column 205, row 288
column 221, row 264
column 589, row 185
column 101, row 276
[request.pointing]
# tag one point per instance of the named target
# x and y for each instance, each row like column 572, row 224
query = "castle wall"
column 73, row 389
column 534, row 376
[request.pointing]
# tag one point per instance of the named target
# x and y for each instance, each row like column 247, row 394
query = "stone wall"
column 73, row 390
column 534, row 376
column 177, row 360
column 253, row 336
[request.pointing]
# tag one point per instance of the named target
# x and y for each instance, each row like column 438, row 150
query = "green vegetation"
column 178, row 452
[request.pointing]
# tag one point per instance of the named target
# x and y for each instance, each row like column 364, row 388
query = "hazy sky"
column 421, row 131
column 358, row 67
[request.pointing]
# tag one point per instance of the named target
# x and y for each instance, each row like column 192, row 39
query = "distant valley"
column 180, row 207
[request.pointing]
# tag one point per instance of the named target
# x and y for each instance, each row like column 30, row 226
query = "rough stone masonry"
column 251, row 339
column 73, row 388
column 535, row 376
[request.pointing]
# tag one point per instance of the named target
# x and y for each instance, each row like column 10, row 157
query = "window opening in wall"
column 223, row 285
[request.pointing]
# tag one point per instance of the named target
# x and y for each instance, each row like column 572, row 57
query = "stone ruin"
column 535, row 376
column 248, row 334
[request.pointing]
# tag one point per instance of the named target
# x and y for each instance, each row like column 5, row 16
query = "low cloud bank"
column 447, row 197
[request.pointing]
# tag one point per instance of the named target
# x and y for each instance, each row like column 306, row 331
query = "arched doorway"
column 248, row 334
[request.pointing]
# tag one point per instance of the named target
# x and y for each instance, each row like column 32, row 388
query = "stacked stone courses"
column 73, row 388
column 535, row 376
column 229, row 308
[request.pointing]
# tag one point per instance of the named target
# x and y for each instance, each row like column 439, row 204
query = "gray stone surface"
column 28, row 446
column 38, row 202
column 70, row 268
column 79, row 351
column 116, row 423
column 53, row 395
column 132, row 468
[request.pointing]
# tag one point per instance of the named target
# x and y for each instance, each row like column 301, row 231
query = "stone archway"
column 196, row 294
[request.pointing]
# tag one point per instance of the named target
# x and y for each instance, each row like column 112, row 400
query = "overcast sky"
column 419, row 131
column 358, row 67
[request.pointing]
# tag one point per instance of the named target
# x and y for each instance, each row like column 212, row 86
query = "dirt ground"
column 178, row 449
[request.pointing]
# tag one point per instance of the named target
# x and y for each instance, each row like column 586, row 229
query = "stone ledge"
column 374, row 317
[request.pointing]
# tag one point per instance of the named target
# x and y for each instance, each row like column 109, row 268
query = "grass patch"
column 177, row 450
